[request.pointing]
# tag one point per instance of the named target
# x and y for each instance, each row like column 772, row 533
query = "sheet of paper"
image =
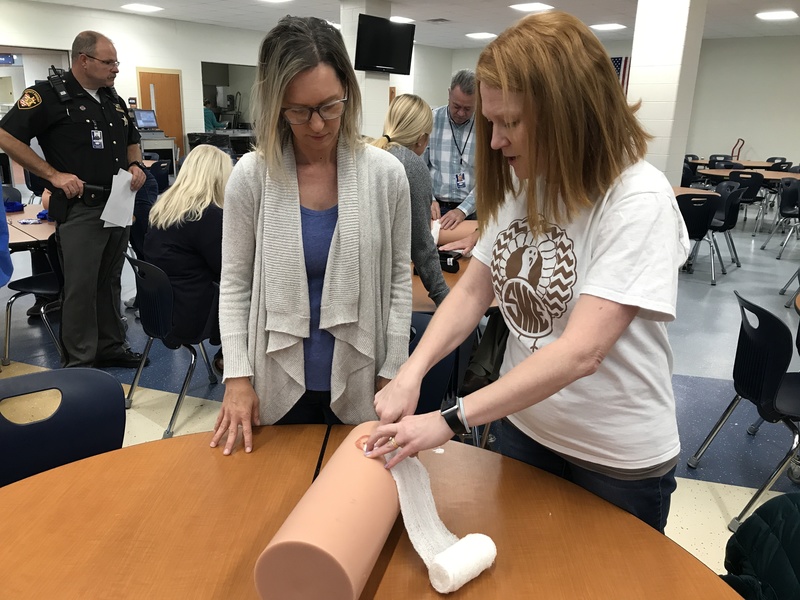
column 119, row 207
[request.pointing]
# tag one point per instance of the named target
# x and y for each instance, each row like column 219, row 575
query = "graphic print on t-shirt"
column 533, row 278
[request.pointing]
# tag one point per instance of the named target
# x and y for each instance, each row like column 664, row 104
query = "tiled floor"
column 703, row 338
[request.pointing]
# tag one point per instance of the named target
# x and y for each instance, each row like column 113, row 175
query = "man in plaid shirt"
column 451, row 153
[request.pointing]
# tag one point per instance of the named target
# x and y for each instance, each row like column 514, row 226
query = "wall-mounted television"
column 382, row 45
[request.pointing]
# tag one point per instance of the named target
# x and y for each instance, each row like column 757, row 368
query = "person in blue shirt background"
column 210, row 118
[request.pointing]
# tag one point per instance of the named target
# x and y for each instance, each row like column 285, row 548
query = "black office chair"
column 46, row 284
column 698, row 211
column 780, row 166
column 154, row 296
column 763, row 354
column 89, row 420
column 776, row 159
column 715, row 158
column 150, row 156
column 35, row 184
column 726, row 218
column 687, row 176
column 789, row 209
column 751, row 182
column 160, row 170
column 11, row 194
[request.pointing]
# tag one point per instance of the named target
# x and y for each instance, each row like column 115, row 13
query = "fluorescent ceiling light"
column 142, row 8
column 607, row 26
column 401, row 20
column 531, row 7
column 481, row 36
column 777, row 15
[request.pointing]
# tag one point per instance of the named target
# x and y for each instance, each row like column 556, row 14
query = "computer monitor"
column 145, row 119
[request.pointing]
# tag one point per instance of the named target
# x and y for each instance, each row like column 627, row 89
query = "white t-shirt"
column 627, row 248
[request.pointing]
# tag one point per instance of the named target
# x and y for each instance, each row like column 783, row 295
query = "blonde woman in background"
column 185, row 241
column 405, row 135
column 315, row 304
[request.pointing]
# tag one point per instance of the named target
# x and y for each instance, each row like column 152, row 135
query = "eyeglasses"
column 327, row 112
column 108, row 63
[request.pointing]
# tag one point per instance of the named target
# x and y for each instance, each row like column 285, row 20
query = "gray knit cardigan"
column 366, row 298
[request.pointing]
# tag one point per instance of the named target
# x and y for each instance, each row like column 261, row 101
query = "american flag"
column 622, row 65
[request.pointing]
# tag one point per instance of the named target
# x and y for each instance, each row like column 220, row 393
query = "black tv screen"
column 384, row 46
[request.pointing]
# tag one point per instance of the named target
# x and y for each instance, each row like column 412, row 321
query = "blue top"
column 318, row 227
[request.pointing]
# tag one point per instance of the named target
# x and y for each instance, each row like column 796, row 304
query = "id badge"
column 461, row 180
column 97, row 139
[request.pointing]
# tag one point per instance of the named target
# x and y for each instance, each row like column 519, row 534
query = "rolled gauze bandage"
column 329, row 544
column 461, row 562
column 451, row 562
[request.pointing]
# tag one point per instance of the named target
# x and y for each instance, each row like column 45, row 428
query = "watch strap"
column 453, row 421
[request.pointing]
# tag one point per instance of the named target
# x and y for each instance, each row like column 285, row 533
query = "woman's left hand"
column 409, row 436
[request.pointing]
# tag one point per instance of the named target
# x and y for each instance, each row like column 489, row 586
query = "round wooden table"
column 176, row 519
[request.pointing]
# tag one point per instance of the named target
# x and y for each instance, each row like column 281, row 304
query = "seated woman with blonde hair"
column 406, row 132
column 185, row 241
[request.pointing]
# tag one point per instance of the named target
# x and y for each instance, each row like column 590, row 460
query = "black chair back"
column 89, row 420
column 718, row 157
column 160, row 171
column 727, row 164
column 749, row 180
column 779, row 166
column 154, row 296
column 34, row 183
column 688, row 157
column 11, row 194
column 774, row 159
column 698, row 210
column 151, row 156
column 730, row 211
column 763, row 354
column 688, row 176
column 790, row 197
column 794, row 169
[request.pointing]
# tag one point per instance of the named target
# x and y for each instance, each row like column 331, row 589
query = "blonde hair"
column 581, row 131
column 409, row 117
column 294, row 45
column 200, row 183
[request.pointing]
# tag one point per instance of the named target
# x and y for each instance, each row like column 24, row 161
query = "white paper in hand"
column 119, row 207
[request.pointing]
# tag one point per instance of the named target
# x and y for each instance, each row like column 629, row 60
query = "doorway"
column 163, row 87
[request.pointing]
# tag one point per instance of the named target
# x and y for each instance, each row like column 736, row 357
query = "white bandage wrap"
column 435, row 227
column 451, row 562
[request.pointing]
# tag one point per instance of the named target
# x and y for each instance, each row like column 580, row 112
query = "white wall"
column 17, row 75
column 37, row 65
column 241, row 80
column 747, row 88
column 432, row 72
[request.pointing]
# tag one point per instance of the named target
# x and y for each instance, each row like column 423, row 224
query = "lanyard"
column 453, row 132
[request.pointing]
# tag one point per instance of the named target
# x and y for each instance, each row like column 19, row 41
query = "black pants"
column 92, row 259
column 313, row 408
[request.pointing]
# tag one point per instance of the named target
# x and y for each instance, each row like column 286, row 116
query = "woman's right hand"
column 239, row 409
column 398, row 398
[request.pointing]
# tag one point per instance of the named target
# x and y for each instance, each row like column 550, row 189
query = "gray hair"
column 464, row 79
column 294, row 45
column 86, row 43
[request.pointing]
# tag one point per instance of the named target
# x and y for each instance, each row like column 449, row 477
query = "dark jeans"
column 647, row 499
column 313, row 408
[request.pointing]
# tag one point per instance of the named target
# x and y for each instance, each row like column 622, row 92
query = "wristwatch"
column 138, row 164
column 453, row 418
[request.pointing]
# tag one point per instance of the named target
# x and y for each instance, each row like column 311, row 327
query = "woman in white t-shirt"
column 581, row 243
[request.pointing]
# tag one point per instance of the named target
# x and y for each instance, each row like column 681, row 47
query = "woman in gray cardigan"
column 405, row 135
column 315, row 296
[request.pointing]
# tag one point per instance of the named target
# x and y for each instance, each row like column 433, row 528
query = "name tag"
column 461, row 180
column 97, row 139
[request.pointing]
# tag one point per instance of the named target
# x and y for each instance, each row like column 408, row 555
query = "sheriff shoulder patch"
column 30, row 99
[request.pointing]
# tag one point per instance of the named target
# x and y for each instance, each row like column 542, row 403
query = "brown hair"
column 581, row 131
column 294, row 45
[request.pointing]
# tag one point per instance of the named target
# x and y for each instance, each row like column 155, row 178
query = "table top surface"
column 175, row 518
column 35, row 232
column 747, row 164
column 769, row 175
column 688, row 190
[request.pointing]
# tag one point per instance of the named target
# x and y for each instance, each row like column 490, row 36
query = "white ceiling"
column 724, row 19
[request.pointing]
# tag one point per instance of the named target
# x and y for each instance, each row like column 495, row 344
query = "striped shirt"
column 450, row 153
